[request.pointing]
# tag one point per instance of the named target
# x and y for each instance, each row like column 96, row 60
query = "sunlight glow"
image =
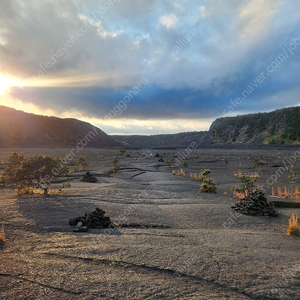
column 6, row 83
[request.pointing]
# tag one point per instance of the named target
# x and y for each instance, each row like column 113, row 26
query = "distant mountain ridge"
column 281, row 126
column 20, row 129
column 177, row 140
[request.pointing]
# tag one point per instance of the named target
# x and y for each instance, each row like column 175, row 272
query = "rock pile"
column 88, row 177
column 255, row 204
column 95, row 219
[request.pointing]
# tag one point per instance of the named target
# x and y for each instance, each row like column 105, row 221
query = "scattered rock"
column 161, row 160
column 128, row 155
column 95, row 219
column 255, row 204
column 88, row 177
column 80, row 229
column 156, row 155
column 79, row 224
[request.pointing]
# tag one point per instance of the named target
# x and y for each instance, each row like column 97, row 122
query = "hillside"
column 277, row 127
column 19, row 129
column 178, row 140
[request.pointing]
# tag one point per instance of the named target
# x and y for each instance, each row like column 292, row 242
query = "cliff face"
column 277, row 127
column 19, row 129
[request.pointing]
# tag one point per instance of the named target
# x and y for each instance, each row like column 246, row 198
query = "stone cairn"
column 255, row 204
column 88, row 177
column 95, row 219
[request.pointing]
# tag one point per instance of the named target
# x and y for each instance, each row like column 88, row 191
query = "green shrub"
column 247, row 183
column 257, row 162
column 115, row 167
column 184, row 164
column 292, row 177
column 209, row 185
column 66, row 185
column 37, row 171
column 80, row 163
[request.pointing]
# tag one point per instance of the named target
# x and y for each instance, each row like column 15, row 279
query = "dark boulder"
column 88, row 177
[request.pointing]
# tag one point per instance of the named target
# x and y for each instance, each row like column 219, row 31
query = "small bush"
column 294, row 228
column 66, row 185
column 257, row 162
column 184, row 164
column 247, row 184
column 2, row 234
column 122, row 151
column 115, row 167
column 209, row 185
column 205, row 172
column 81, row 163
column 202, row 175
column 292, row 177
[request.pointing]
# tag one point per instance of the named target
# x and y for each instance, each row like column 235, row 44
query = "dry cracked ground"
column 190, row 244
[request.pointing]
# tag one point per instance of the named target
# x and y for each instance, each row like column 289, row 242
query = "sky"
column 149, row 66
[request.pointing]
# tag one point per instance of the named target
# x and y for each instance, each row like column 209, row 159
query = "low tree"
column 247, row 184
column 36, row 171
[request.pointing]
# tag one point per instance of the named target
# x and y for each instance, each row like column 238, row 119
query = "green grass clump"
column 209, row 185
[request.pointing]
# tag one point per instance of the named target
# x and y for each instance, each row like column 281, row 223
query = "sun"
column 6, row 83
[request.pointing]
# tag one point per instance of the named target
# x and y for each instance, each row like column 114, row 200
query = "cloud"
column 99, row 50
column 169, row 21
column 252, row 22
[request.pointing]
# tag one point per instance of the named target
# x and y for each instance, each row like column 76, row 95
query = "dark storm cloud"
column 233, row 43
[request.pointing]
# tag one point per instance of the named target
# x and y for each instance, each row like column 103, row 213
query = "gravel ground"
column 192, row 247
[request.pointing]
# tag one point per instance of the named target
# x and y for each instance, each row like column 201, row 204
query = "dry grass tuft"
column 238, row 195
column 286, row 193
column 294, row 228
column 2, row 234
column 179, row 173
